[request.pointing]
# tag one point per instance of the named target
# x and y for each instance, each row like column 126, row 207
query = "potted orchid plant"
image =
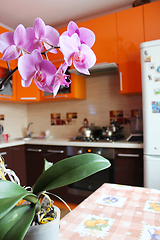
column 30, row 46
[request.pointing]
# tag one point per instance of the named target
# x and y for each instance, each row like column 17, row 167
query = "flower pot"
column 45, row 231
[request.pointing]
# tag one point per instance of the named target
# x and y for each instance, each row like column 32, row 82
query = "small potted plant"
column 16, row 219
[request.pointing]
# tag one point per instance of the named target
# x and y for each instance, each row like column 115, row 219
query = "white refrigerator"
column 150, row 68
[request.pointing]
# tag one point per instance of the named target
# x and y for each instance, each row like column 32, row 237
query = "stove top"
column 102, row 139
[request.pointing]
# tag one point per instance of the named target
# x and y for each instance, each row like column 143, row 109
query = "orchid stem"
column 49, row 49
column 16, row 68
column 8, row 77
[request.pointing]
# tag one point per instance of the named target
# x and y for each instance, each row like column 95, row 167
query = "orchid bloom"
column 60, row 78
column 75, row 44
column 34, row 66
column 86, row 35
column 46, row 34
column 83, row 57
column 11, row 43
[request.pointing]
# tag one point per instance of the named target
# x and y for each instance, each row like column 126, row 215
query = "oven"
column 88, row 185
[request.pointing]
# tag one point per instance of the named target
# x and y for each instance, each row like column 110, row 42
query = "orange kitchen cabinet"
column 77, row 90
column 151, row 21
column 105, row 30
column 2, row 30
column 27, row 94
column 9, row 91
column 130, row 32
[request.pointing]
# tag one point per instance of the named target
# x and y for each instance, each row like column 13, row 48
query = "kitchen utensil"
column 84, row 131
column 87, row 131
column 1, row 131
column 111, row 130
column 136, row 125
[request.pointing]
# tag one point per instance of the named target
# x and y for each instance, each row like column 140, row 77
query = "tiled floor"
column 63, row 212
column 63, row 208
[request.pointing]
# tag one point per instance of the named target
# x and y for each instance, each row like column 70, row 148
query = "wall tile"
column 102, row 97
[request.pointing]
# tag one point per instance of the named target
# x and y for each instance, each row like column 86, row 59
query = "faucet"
column 29, row 134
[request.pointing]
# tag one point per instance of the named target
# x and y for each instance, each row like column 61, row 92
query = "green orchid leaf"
column 11, row 218
column 8, row 203
column 11, row 189
column 47, row 165
column 11, row 194
column 20, row 228
column 70, row 170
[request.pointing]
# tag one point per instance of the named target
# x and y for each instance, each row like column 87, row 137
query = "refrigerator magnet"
column 155, row 107
column 158, row 69
column 157, row 91
column 149, row 77
column 148, row 59
column 152, row 66
column 145, row 53
column 157, row 79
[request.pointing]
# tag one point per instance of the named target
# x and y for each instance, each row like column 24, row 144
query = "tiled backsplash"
column 102, row 97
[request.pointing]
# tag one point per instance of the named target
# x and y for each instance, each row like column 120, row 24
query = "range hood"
column 98, row 69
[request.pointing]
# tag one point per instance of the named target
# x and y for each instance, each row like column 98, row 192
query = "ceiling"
column 55, row 13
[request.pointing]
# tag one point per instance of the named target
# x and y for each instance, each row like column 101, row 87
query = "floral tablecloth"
column 115, row 212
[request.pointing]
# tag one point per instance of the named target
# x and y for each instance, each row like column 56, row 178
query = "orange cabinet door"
column 151, row 21
column 77, row 90
column 8, row 93
column 105, row 30
column 2, row 30
column 27, row 94
column 130, row 35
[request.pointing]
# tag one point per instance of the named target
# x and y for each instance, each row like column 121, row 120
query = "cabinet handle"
column 34, row 150
column 121, row 85
column 55, row 151
column 3, row 153
column 128, row 155
column 28, row 98
column 5, row 97
column 59, row 96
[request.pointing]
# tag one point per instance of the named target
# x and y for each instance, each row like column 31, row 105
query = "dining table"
column 114, row 212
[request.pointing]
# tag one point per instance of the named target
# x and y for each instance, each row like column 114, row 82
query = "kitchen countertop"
column 67, row 142
column 114, row 212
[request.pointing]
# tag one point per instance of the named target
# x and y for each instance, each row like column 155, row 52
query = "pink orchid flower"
column 46, row 34
column 83, row 57
column 86, row 35
column 34, row 66
column 60, row 78
column 11, row 43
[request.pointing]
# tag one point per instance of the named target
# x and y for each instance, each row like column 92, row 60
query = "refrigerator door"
column 152, row 171
column 150, row 67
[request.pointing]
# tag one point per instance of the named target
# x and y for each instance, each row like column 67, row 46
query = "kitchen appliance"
column 93, row 133
column 89, row 132
column 136, row 124
column 150, row 67
column 99, row 68
column 88, row 185
column 112, row 132
column 1, row 131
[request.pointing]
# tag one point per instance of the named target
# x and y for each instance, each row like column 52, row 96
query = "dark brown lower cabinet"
column 6, row 154
column 129, row 167
column 35, row 155
column 55, row 154
column 34, row 162
column 19, row 165
column 14, row 158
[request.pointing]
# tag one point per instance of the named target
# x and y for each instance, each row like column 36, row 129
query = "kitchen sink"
column 26, row 138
